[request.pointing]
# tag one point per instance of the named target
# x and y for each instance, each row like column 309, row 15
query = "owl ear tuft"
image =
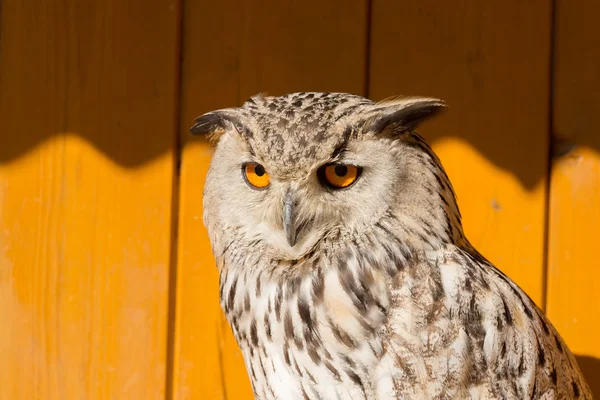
column 215, row 123
column 404, row 114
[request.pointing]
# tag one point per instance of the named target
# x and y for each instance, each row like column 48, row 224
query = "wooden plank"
column 265, row 46
column 490, row 62
column 574, row 268
column 87, row 117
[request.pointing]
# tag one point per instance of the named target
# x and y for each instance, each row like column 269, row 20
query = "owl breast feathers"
column 344, row 270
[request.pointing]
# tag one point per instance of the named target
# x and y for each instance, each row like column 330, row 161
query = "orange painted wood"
column 574, row 228
column 490, row 62
column 232, row 50
column 87, row 116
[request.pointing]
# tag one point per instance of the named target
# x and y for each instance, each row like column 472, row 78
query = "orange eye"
column 256, row 176
column 339, row 176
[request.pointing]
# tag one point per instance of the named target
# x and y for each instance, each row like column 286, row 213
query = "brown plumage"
column 344, row 270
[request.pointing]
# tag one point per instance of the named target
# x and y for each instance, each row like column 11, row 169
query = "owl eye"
column 338, row 176
column 255, row 175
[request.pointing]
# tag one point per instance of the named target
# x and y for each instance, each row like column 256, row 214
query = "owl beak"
column 289, row 218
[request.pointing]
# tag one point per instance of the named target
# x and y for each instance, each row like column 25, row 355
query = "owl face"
column 291, row 171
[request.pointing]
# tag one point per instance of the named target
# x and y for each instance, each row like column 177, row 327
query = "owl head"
column 293, row 172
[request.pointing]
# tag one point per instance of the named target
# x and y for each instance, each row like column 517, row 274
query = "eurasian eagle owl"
column 344, row 270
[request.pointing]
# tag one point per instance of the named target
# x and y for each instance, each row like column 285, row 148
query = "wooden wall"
column 573, row 274
column 107, row 286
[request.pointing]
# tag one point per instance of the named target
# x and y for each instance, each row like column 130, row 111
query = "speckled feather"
column 382, row 297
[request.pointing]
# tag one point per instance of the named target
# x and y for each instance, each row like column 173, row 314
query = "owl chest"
column 299, row 367
column 298, row 345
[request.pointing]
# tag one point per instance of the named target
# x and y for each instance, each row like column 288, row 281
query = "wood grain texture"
column 574, row 268
column 84, row 237
column 232, row 50
column 490, row 62
column 87, row 126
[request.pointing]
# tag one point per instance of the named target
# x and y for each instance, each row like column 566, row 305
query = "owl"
column 344, row 269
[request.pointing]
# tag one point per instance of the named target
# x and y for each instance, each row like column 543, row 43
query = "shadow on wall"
column 123, row 145
column 590, row 366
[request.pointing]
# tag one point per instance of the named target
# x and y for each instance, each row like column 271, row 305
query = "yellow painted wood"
column 265, row 46
column 490, row 62
column 87, row 116
column 574, row 226
column 86, row 168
